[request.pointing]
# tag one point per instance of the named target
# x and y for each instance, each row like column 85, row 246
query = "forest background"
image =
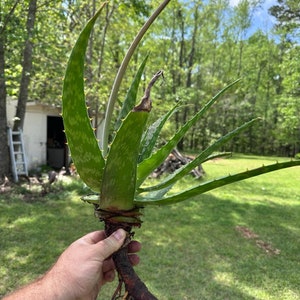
column 200, row 45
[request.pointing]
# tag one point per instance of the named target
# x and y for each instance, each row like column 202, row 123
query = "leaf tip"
column 146, row 103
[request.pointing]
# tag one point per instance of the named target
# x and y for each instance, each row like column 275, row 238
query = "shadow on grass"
column 199, row 254
column 35, row 230
column 190, row 250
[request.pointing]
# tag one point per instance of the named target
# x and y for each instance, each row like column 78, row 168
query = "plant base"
column 135, row 289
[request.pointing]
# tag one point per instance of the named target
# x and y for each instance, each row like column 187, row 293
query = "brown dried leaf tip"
column 146, row 103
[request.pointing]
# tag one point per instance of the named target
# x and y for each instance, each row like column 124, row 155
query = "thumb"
column 112, row 243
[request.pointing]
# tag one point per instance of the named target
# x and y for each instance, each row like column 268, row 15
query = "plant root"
column 135, row 289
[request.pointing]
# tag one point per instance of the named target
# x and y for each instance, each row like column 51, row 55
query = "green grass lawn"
column 191, row 250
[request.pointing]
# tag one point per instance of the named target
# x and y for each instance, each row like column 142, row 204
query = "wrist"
column 42, row 288
column 53, row 285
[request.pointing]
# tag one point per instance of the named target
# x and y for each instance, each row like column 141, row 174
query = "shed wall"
column 34, row 130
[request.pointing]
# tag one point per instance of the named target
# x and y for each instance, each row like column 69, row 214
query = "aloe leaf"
column 92, row 199
column 81, row 139
column 147, row 166
column 163, row 191
column 130, row 98
column 151, row 134
column 148, row 198
column 119, row 177
column 217, row 155
column 159, row 194
column 177, row 175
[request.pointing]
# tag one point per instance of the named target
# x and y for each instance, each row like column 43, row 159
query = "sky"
column 261, row 18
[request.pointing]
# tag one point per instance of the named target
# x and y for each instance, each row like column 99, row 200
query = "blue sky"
column 261, row 18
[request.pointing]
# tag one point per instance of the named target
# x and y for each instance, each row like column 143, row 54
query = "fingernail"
column 119, row 234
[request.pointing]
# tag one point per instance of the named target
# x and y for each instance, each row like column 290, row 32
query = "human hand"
column 85, row 265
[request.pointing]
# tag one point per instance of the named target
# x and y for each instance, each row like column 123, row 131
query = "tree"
column 26, row 67
column 287, row 13
column 4, row 161
column 288, row 125
column 4, row 153
column 202, row 46
column 15, row 76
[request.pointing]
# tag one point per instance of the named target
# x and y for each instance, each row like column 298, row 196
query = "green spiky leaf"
column 177, row 175
column 119, row 178
column 149, row 198
column 81, row 139
column 146, row 167
column 152, row 133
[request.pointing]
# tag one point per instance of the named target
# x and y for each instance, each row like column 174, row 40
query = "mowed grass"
column 191, row 250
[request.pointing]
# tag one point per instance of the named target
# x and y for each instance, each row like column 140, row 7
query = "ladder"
column 17, row 153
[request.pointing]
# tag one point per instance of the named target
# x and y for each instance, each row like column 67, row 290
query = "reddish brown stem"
column 134, row 286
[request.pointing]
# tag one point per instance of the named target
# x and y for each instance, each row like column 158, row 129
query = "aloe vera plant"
column 116, row 173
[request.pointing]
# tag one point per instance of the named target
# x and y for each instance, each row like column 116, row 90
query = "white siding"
column 34, row 130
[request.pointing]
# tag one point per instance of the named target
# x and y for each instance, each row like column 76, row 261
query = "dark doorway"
column 56, row 143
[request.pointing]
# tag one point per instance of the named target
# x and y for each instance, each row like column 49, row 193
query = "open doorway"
column 57, row 152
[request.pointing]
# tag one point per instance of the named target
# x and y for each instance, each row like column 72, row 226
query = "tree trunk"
column 4, row 150
column 27, row 66
column 190, row 63
column 180, row 19
column 4, row 153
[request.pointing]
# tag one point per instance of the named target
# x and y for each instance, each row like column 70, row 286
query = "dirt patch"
column 267, row 247
column 247, row 233
column 34, row 188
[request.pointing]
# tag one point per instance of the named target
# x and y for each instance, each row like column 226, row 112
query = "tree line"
column 201, row 46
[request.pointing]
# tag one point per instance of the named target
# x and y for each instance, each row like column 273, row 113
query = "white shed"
column 43, row 135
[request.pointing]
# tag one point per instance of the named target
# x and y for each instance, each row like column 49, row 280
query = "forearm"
column 46, row 288
column 80, row 271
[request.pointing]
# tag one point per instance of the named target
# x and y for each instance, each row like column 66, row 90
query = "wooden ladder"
column 17, row 153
